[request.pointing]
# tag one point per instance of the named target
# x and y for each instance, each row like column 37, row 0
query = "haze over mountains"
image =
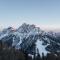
column 42, row 27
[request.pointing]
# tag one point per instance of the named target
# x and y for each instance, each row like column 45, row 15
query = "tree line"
column 10, row 53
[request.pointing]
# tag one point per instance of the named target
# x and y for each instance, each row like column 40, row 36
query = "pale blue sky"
column 43, row 13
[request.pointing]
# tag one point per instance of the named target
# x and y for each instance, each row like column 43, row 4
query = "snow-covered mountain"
column 31, row 39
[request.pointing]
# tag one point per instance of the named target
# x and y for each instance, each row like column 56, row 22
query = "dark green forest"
column 10, row 53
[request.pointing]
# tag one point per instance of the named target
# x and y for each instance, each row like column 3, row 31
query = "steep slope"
column 30, row 39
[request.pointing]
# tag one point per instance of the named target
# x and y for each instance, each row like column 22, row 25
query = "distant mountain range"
column 31, row 39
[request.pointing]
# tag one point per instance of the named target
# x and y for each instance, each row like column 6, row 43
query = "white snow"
column 41, row 47
column 3, row 35
column 31, row 55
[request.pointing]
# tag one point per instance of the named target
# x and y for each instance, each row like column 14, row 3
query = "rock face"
column 31, row 38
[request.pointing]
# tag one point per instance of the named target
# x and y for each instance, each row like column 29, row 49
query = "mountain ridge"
column 30, row 38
